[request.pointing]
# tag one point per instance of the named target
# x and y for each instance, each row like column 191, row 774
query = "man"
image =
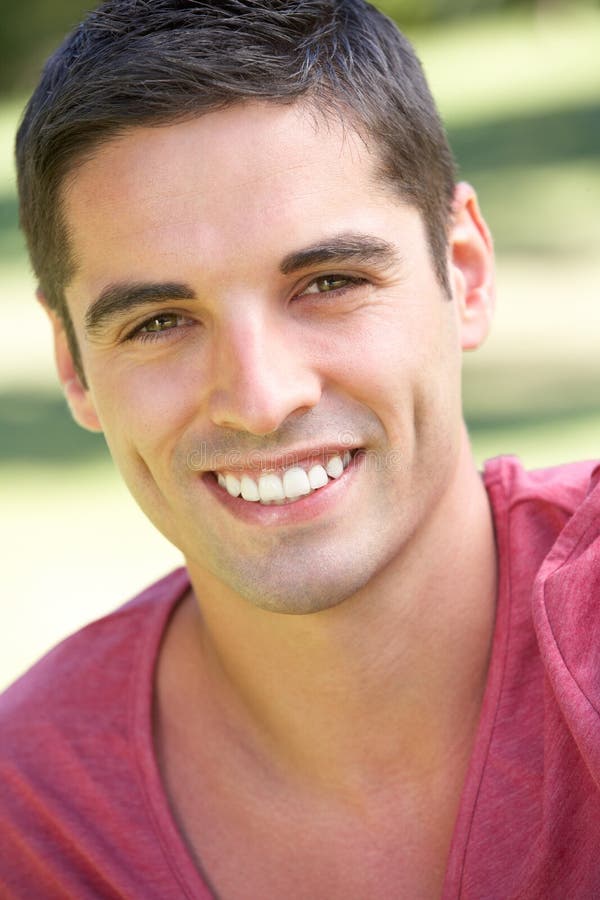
column 261, row 276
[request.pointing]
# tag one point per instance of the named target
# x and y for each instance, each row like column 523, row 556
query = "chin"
column 295, row 594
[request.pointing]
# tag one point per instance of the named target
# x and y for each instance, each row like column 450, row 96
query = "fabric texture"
column 529, row 822
column 83, row 812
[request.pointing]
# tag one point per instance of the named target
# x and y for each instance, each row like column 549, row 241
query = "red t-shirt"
column 83, row 813
column 529, row 821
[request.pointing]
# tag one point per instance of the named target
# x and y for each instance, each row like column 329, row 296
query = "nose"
column 262, row 375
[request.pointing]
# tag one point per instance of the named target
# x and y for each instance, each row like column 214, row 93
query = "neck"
column 390, row 681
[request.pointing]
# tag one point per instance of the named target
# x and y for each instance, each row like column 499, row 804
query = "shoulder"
column 531, row 509
column 76, row 735
column 92, row 664
column 563, row 487
column 566, row 615
column 537, row 802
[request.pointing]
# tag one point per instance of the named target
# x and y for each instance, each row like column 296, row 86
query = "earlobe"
column 76, row 393
column 472, row 266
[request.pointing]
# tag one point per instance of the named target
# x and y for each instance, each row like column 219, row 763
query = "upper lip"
column 259, row 462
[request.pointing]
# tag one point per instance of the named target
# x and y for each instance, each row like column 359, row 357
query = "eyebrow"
column 120, row 298
column 350, row 247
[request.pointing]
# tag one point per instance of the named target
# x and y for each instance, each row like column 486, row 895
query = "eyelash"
column 138, row 334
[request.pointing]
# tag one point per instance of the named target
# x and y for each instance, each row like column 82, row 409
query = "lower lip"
column 302, row 510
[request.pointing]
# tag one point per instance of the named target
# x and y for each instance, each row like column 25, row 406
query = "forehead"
column 244, row 180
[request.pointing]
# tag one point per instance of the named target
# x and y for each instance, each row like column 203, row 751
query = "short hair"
column 137, row 63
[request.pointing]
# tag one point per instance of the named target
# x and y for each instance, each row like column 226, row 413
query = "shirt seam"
column 140, row 704
column 506, row 512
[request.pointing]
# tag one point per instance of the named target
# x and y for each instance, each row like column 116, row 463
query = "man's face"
column 256, row 302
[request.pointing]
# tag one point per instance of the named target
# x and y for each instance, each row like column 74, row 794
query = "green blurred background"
column 518, row 84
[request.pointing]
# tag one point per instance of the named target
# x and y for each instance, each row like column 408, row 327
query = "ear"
column 472, row 267
column 76, row 393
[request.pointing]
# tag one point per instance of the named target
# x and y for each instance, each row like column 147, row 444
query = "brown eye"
column 328, row 283
column 157, row 326
column 162, row 322
column 331, row 282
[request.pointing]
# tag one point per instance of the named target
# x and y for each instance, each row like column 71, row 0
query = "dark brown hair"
column 133, row 62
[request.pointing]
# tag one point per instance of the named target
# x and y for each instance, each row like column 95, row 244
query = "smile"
column 272, row 488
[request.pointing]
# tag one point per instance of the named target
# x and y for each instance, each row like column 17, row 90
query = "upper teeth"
column 295, row 482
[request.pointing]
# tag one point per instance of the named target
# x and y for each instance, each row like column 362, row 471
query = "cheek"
column 144, row 409
column 407, row 369
column 381, row 354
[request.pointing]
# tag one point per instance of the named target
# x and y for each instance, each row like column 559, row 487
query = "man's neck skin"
column 389, row 683
column 327, row 753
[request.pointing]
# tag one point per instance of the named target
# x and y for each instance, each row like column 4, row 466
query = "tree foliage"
column 29, row 31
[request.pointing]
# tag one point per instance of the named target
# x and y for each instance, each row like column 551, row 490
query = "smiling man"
column 261, row 277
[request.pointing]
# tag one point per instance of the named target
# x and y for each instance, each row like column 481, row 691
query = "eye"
column 156, row 326
column 327, row 284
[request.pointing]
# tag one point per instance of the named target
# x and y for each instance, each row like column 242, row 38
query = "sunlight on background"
column 520, row 96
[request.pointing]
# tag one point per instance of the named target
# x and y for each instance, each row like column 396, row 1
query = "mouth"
column 285, row 486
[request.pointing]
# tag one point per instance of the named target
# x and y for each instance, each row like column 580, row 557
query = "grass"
column 521, row 101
